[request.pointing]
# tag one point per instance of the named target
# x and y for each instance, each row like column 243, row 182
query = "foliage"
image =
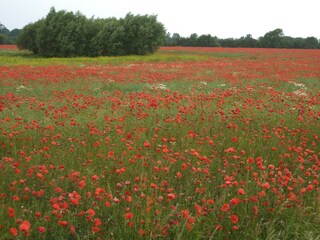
column 4, row 30
column 110, row 39
column 272, row 39
column 142, row 34
column 3, row 39
column 311, row 42
column 205, row 40
column 7, row 36
column 62, row 34
column 27, row 39
column 65, row 34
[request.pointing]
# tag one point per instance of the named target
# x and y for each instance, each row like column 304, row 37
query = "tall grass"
column 168, row 150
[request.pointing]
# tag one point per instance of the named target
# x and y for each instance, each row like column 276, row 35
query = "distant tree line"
column 64, row 34
column 67, row 34
column 8, row 37
column 272, row 39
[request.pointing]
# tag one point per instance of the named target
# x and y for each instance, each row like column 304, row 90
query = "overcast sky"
column 223, row 18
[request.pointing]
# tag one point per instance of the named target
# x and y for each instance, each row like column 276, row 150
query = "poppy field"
column 186, row 143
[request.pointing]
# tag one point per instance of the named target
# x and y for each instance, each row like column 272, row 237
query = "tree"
column 110, row 39
column 7, row 36
column 272, row 39
column 3, row 39
column 311, row 42
column 172, row 40
column 228, row 42
column 14, row 32
column 193, row 40
column 143, row 34
column 4, row 30
column 288, row 42
column 298, row 42
column 27, row 39
column 73, row 37
column 65, row 34
column 206, row 40
column 248, row 41
column 175, row 38
column 62, row 34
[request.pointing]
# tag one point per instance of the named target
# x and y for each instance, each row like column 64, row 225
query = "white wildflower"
column 22, row 87
column 300, row 93
column 300, row 85
column 157, row 86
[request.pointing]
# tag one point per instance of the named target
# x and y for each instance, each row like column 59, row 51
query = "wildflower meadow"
column 185, row 143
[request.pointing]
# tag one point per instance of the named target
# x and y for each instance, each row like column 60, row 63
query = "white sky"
column 221, row 18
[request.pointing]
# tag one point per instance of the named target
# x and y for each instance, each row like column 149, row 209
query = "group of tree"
column 7, row 36
column 272, row 39
column 65, row 34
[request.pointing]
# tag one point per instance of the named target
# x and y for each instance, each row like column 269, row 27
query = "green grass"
column 171, row 153
column 219, row 54
column 14, row 58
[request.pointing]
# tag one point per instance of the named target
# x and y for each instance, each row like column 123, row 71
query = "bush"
column 110, row 39
column 143, row 34
column 27, row 39
column 65, row 34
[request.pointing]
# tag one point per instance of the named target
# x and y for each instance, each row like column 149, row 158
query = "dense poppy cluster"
column 226, row 148
column 6, row 47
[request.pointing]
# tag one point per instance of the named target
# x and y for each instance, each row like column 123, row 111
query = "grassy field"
column 187, row 143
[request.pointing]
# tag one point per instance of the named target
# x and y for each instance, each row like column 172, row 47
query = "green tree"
column 72, row 38
column 143, row 34
column 110, row 39
column 272, row 39
column 175, row 38
column 65, row 34
column 193, row 40
column 311, row 42
column 27, row 38
column 47, row 36
column 228, row 42
column 172, row 40
column 15, row 32
column 206, row 40
column 3, row 39
column 92, row 26
column 288, row 42
column 62, row 34
column 4, row 30
column 298, row 42
column 248, row 41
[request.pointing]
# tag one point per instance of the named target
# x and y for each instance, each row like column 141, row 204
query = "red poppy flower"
column 234, row 219
column 25, row 226
column 14, row 232
column 128, row 215
column 41, row 229
column 241, row 191
column 225, row 207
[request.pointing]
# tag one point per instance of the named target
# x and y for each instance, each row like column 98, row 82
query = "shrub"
column 65, row 34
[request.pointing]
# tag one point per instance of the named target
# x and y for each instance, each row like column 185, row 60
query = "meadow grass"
column 209, row 155
column 16, row 57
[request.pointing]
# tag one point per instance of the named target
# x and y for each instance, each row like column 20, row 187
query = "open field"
column 187, row 143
